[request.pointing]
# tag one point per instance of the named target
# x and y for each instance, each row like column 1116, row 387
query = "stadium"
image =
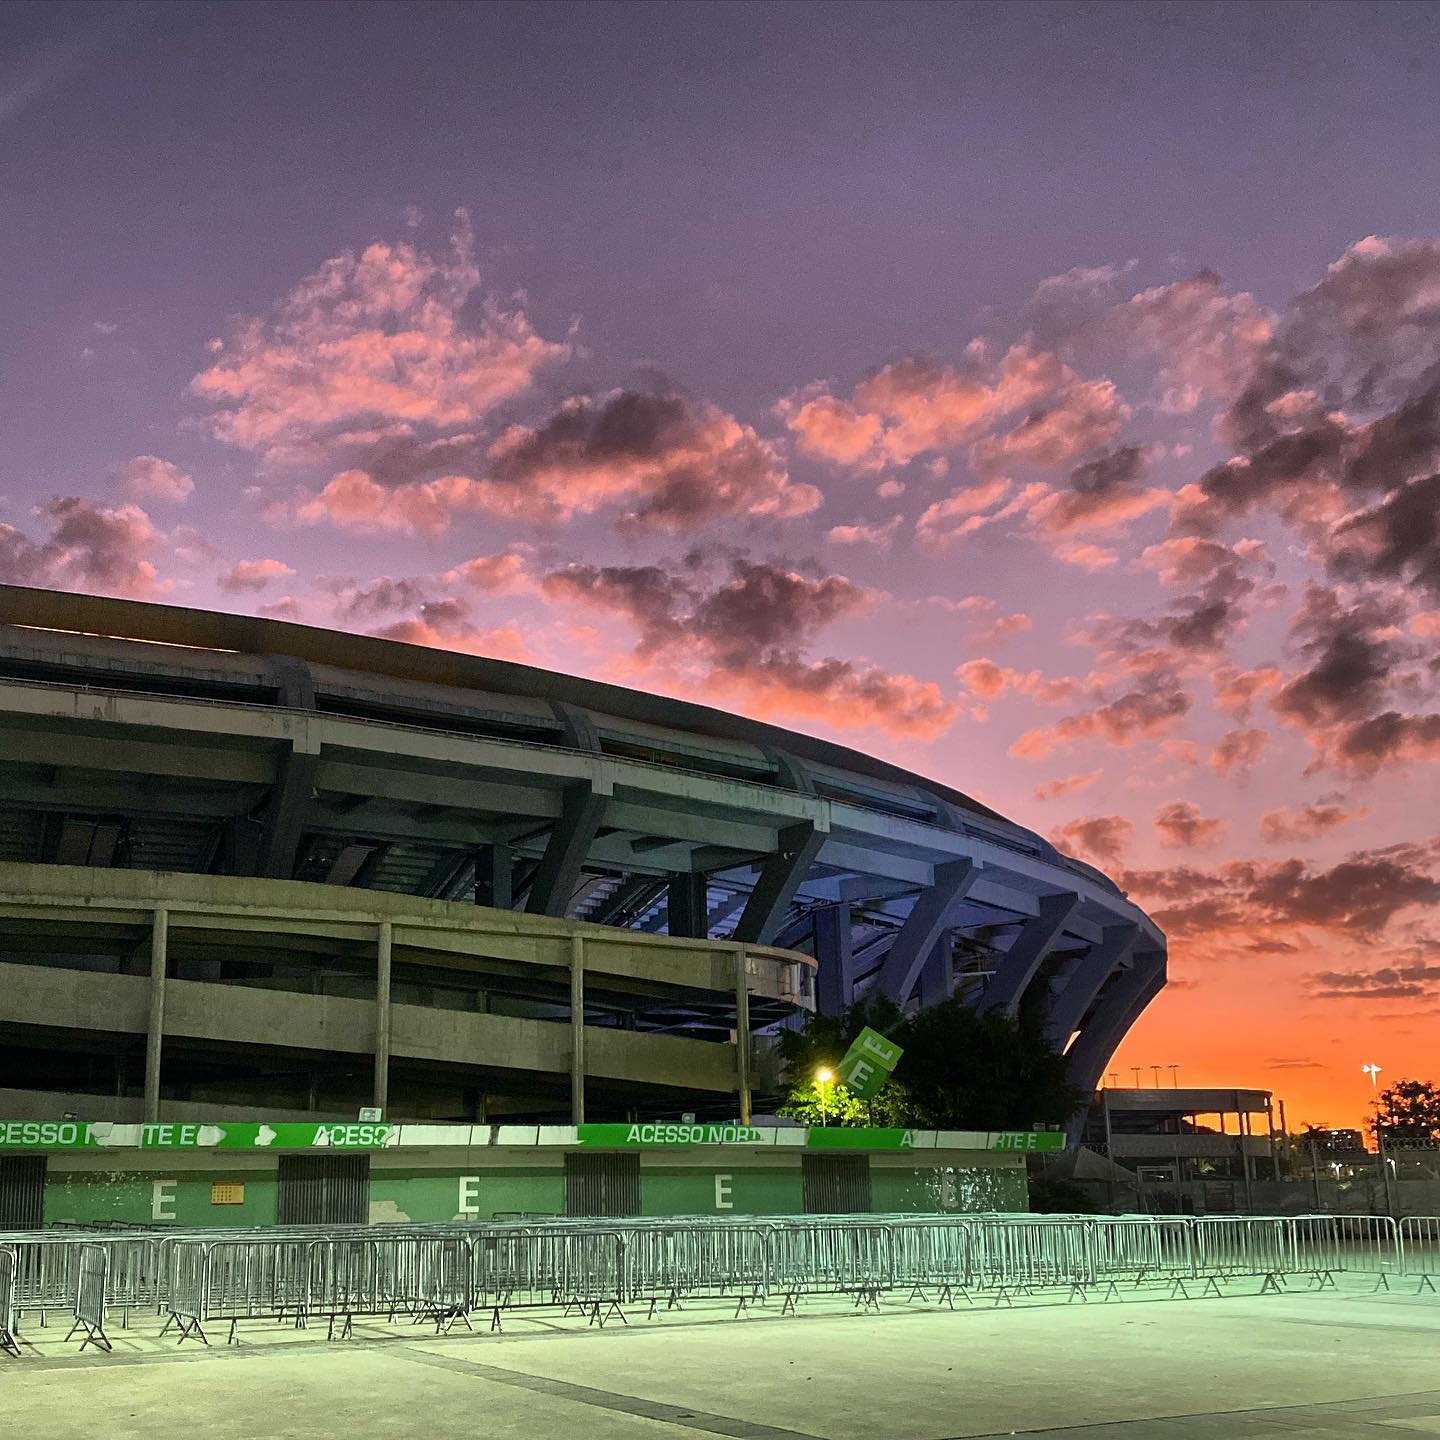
column 251, row 870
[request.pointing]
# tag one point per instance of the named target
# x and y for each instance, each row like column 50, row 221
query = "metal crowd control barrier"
column 8, row 1343
column 94, row 1270
column 446, row 1273
column 1420, row 1249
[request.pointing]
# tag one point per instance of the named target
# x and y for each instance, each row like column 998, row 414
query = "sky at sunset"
column 1044, row 398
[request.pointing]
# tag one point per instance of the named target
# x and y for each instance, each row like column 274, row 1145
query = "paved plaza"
column 1333, row 1364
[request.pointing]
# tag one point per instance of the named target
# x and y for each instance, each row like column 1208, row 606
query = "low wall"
column 200, row 1176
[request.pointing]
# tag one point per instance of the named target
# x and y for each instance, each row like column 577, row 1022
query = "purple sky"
column 1017, row 391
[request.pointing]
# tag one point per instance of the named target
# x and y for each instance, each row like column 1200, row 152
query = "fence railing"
column 447, row 1273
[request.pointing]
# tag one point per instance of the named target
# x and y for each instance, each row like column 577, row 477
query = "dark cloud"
column 1398, row 539
column 1149, row 710
column 1350, row 657
column 675, row 462
column 1111, row 471
column 749, row 630
column 1414, row 981
column 1305, row 822
column 1098, row 837
column 1361, row 894
column 90, row 547
column 1181, row 826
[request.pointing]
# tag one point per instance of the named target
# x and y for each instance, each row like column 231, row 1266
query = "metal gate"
column 836, row 1184
column 323, row 1190
column 602, row 1184
column 22, row 1192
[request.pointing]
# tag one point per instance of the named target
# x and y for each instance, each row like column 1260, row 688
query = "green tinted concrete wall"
column 436, row 1188
column 427, row 1195
column 932, row 1189
column 721, row 1189
column 171, row 1197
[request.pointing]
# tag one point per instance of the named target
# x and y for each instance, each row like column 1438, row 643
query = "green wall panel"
column 427, row 1196
column 938, row 1189
column 470, row 1188
column 690, row 1190
column 157, row 1198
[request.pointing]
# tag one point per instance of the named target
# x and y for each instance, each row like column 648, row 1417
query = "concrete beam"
column 780, row 877
column 565, row 853
column 286, row 811
column 923, row 928
column 1068, row 1008
column 1027, row 953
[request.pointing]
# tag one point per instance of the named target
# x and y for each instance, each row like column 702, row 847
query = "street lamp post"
column 824, row 1077
column 1372, row 1071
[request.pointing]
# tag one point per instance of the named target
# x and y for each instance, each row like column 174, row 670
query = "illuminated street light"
column 1372, row 1071
column 824, row 1077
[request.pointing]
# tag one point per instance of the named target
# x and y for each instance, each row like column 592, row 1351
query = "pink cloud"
column 1085, row 415
column 1102, row 838
column 880, row 533
column 1068, row 785
column 354, row 501
column 1236, row 690
column 90, row 547
column 1147, row 712
column 985, row 678
column 253, row 575
column 985, row 625
column 915, row 406
column 1238, row 751
column 503, row 573
column 1306, row 822
column 389, row 335
column 1086, row 557
column 946, row 521
column 147, row 477
column 1180, row 826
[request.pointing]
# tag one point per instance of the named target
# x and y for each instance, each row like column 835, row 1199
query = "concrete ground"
column 1332, row 1364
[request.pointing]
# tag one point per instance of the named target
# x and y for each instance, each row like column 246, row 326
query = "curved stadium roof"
column 237, row 745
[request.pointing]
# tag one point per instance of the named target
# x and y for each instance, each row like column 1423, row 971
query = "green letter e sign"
column 868, row 1063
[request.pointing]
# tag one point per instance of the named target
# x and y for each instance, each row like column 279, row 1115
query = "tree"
column 960, row 1070
column 1408, row 1110
column 821, row 1046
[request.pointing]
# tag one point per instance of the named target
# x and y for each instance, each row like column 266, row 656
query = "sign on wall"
column 233, row 1135
column 868, row 1063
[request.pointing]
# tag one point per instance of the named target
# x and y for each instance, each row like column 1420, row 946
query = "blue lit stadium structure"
column 183, row 743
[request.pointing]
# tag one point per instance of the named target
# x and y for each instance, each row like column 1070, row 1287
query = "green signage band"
column 59, row 1135
column 667, row 1133
column 283, row 1135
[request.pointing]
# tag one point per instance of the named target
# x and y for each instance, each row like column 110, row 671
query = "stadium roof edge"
column 147, row 621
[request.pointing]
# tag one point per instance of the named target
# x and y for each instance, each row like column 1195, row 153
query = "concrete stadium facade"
column 254, row 867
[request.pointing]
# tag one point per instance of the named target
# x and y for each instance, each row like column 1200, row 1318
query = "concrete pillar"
column 687, row 904
column 155, row 1032
column 835, row 979
column 381, row 1095
column 494, row 877
column 577, row 1029
column 742, row 1033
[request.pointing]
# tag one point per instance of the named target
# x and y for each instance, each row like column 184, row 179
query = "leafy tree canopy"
column 1408, row 1110
column 960, row 1070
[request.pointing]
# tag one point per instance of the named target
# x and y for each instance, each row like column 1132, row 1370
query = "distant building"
column 1169, row 1138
